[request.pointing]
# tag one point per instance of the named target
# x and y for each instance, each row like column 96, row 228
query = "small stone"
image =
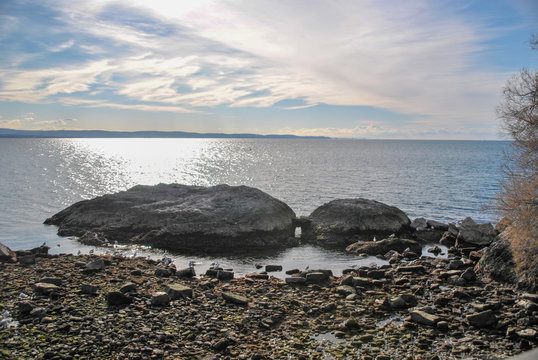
column 225, row 275
column 442, row 326
column 38, row 312
column 220, row 344
column 351, row 324
column 482, row 319
column 397, row 302
column 127, row 288
column 45, row 288
column 455, row 264
column 98, row 264
column 345, row 290
column 376, row 274
column 295, row 280
column 25, row 307
column 115, row 298
column 469, row 275
column 50, row 280
column 424, row 318
column 89, row 289
column 361, row 281
column 160, row 298
column 292, row 271
column 27, row 260
column 316, row 277
column 529, row 333
column 160, row 272
column 347, row 280
column 272, row 268
column 178, row 291
column 234, row 298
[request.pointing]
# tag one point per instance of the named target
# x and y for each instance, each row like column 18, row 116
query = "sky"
column 347, row 69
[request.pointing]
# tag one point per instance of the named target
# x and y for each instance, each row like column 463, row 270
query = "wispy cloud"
column 416, row 58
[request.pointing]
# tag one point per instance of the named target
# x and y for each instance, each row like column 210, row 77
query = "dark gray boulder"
column 344, row 221
column 181, row 217
column 476, row 234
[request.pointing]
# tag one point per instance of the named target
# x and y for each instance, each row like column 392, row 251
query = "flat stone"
column 161, row 272
column 272, row 268
column 345, row 290
column 295, row 280
column 361, row 281
column 234, row 298
column 424, row 318
column 45, row 288
column 179, row 291
column 257, row 276
column 115, row 298
column 98, row 264
column 89, row 289
column 482, row 319
column 27, row 260
column 129, row 287
column 316, row 277
column 160, row 298
column 52, row 280
column 6, row 254
column 225, row 275
column 529, row 333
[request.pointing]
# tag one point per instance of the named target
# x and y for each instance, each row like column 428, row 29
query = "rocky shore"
column 111, row 307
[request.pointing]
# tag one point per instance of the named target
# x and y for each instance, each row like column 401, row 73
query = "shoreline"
column 368, row 313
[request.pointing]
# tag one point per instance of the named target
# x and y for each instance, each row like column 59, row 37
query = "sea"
column 440, row 180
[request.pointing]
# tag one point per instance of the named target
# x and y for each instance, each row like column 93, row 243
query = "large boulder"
column 384, row 246
column 181, row 217
column 345, row 221
column 476, row 234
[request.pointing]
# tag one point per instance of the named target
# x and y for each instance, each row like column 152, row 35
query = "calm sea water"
column 441, row 180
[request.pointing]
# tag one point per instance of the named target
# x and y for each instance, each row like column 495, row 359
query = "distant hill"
column 11, row 133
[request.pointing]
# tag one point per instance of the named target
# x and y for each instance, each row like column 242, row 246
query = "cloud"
column 11, row 124
column 415, row 58
column 57, row 122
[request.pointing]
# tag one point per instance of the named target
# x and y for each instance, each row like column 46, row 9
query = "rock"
column 428, row 235
column 179, row 291
column 436, row 250
column 295, row 280
column 116, row 298
column 316, row 277
column 51, row 280
column 25, row 307
column 342, row 222
column 482, row 319
column 351, row 324
column 127, row 288
column 375, row 274
column 346, row 280
column 455, row 264
column 6, row 254
column 220, row 344
column 424, row 318
column 362, row 282
column 345, row 290
column 476, row 234
column 225, row 275
column 98, row 264
column 497, row 262
column 89, row 289
column 442, row 326
column 160, row 298
column 419, row 224
column 38, row 312
column 181, row 217
column 45, row 288
column 448, row 239
column 529, row 333
column 185, row 273
column 292, row 271
column 27, row 260
column 469, row 275
column 271, row 268
column 234, row 298
column 163, row 272
column 257, row 276
column 384, row 246
column 437, row 225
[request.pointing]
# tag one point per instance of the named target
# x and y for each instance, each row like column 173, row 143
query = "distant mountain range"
column 12, row 133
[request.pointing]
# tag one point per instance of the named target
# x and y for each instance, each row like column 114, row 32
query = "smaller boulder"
column 234, row 298
column 116, row 298
column 178, row 291
column 482, row 319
